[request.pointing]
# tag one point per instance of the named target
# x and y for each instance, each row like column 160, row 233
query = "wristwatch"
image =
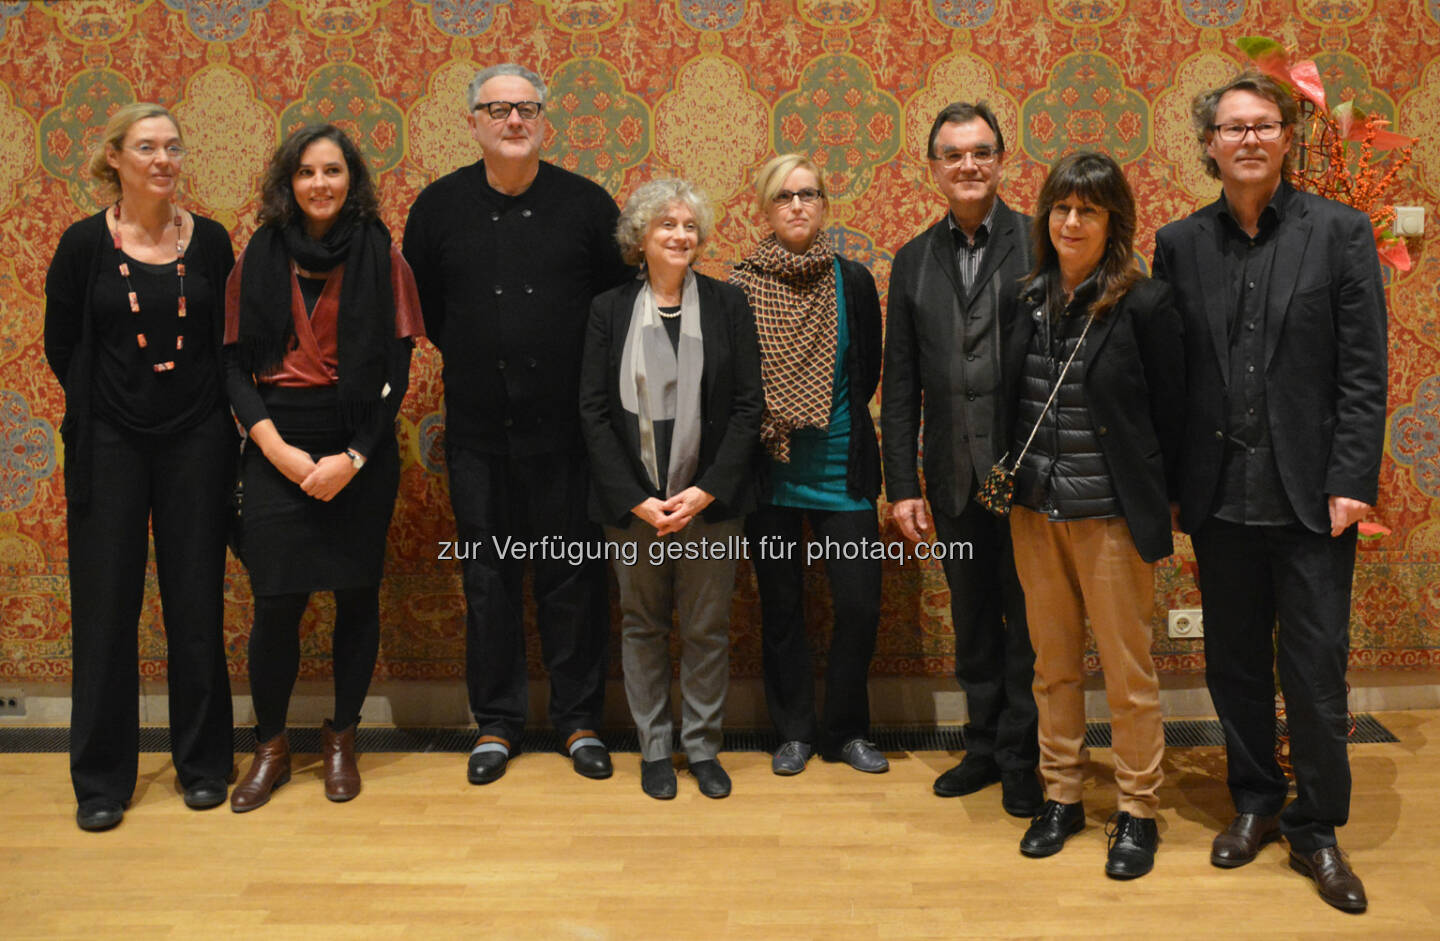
column 356, row 460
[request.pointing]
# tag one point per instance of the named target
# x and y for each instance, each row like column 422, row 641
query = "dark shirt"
column 505, row 284
column 1250, row 491
column 970, row 252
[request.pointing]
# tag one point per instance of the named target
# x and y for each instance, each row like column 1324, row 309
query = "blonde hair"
column 116, row 128
column 772, row 176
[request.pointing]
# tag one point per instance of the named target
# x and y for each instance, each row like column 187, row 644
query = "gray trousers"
column 699, row 591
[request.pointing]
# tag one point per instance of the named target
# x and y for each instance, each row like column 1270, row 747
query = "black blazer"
column 923, row 360
column 1325, row 355
column 1133, row 374
column 731, row 400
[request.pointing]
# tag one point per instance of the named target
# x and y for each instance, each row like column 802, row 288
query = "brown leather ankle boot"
column 269, row 770
column 337, row 755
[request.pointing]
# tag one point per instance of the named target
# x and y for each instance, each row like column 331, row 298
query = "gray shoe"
column 864, row 756
column 790, row 758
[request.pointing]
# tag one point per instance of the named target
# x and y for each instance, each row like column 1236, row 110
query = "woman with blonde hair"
column 134, row 316
column 818, row 319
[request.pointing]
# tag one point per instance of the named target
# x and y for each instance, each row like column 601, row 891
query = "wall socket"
column 1186, row 622
column 12, row 702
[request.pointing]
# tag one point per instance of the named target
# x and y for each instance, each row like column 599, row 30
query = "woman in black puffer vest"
column 1091, row 499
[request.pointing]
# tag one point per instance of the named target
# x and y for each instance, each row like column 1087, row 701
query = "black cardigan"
column 70, row 335
column 731, row 402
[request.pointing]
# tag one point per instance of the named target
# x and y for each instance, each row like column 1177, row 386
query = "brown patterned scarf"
column 796, row 316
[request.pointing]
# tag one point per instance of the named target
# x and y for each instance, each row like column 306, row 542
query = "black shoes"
column 1337, row 882
column 863, row 756
column 1132, row 846
column 99, row 813
column 790, row 758
column 1055, row 824
column 970, row 775
column 1021, row 794
column 486, row 766
column 657, row 778
column 206, row 793
column 1241, row 841
column 713, row 780
column 592, row 761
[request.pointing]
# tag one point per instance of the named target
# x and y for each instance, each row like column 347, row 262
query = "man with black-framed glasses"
column 954, row 295
column 508, row 253
column 1284, row 314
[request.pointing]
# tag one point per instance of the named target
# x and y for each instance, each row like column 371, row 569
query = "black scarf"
column 367, row 304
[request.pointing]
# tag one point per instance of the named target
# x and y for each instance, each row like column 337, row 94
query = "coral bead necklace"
column 158, row 365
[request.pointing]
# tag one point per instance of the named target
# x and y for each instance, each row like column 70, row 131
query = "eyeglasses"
column 1086, row 214
column 807, row 196
column 149, row 150
column 1235, row 133
column 983, row 157
column 500, row 110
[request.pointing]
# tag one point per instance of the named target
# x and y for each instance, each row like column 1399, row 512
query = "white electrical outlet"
column 1409, row 221
column 1186, row 622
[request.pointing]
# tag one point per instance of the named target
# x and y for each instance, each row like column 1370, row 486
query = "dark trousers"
column 498, row 497
column 179, row 485
column 1250, row 576
column 855, row 598
column 275, row 655
column 994, row 662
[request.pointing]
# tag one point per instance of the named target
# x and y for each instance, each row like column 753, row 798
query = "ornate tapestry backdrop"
column 707, row 89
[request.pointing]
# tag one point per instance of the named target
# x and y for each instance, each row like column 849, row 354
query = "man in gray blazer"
column 953, row 296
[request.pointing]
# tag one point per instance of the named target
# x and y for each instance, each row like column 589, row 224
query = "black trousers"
column 498, row 498
column 1250, row 576
column 275, row 655
column 855, row 598
column 179, row 486
column 994, row 662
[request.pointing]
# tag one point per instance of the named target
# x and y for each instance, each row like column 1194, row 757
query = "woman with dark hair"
column 670, row 402
column 818, row 319
column 1098, row 371
column 320, row 318
column 133, row 321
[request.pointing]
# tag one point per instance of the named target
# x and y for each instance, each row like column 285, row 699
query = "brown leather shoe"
column 269, row 770
column 1331, row 871
column 1242, row 840
column 337, row 755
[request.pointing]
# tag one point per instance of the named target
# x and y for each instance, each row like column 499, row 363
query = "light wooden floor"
column 831, row 854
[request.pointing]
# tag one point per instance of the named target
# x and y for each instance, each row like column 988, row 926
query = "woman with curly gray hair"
column 670, row 403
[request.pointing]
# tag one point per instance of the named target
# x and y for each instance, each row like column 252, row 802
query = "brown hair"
column 1203, row 108
column 277, row 197
column 1097, row 179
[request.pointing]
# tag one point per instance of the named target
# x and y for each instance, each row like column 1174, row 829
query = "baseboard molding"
column 894, row 701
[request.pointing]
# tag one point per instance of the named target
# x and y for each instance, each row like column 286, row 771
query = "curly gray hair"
column 648, row 202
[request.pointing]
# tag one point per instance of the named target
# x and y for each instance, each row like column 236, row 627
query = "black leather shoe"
column 1132, row 846
column 593, row 761
column 486, row 766
column 1020, row 793
column 970, row 775
column 713, row 780
column 657, row 778
column 790, row 758
column 206, row 793
column 1242, row 840
column 863, row 756
column 1055, row 824
column 1337, row 882
column 99, row 813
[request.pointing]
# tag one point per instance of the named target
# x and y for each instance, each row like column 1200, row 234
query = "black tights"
column 275, row 655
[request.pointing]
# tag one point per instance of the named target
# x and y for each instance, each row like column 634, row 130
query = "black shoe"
column 486, row 766
column 970, row 775
column 657, row 779
column 592, row 761
column 1020, row 793
column 206, row 793
column 1132, row 846
column 863, row 756
column 790, row 758
column 1055, row 824
column 713, row 780
column 99, row 813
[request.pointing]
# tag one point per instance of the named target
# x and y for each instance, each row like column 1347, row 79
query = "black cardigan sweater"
column 70, row 335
